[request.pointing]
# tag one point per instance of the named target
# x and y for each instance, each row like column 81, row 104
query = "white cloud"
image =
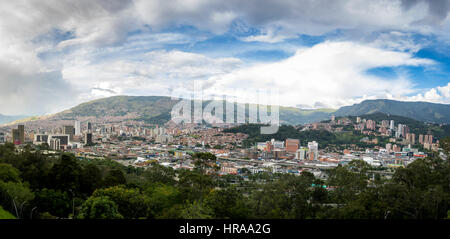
column 100, row 58
column 440, row 94
column 330, row 73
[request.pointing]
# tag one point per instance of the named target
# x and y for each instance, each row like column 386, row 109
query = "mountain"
column 422, row 111
column 157, row 110
column 4, row 119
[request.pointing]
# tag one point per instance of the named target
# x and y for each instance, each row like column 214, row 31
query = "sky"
column 56, row 54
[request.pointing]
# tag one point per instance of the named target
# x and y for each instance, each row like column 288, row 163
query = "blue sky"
column 57, row 54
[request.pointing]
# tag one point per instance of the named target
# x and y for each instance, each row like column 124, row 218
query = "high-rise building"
column 69, row 130
column 430, row 139
column 300, row 154
column 89, row 127
column 2, row 137
column 313, row 148
column 420, row 138
column 21, row 129
column 399, row 131
column 370, row 124
column 292, row 145
column 358, row 119
column 77, row 127
column 392, row 125
column 88, row 138
column 333, row 118
column 18, row 135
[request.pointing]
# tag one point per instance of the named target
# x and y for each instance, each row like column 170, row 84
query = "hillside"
column 422, row 111
column 415, row 126
column 156, row 109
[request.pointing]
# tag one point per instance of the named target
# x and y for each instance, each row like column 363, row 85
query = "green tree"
column 54, row 202
column 91, row 179
column 114, row 177
column 8, row 173
column 15, row 197
column 130, row 201
column 196, row 210
column 65, row 175
column 99, row 208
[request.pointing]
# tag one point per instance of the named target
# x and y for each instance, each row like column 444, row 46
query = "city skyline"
column 312, row 52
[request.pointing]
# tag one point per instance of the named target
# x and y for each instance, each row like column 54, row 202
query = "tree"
column 14, row 197
column 160, row 174
column 55, row 202
column 114, row 177
column 196, row 210
column 99, row 208
column 227, row 204
column 8, row 173
column 130, row 201
column 66, row 174
column 161, row 198
column 91, row 179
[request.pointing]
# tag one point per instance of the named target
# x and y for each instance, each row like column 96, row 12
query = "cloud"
column 440, row 94
column 59, row 52
column 330, row 73
column 141, row 73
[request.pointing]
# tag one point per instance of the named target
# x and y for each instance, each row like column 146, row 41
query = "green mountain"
column 422, row 111
column 157, row 109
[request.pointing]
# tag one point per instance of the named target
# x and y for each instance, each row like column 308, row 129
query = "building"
column 277, row 144
column 370, row 124
column 279, row 153
column 300, row 154
column 55, row 144
column 88, row 138
column 64, row 139
column 292, row 145
column 77, row 127
column 18, row 135
column 2, row 137
column 269, row 147
column 40, row 138
column 69, row 130
column 313, row 148
column 392, row 125
column 89, row 127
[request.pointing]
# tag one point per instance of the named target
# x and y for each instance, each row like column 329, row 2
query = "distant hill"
column 157, row 109
column 422, row 111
